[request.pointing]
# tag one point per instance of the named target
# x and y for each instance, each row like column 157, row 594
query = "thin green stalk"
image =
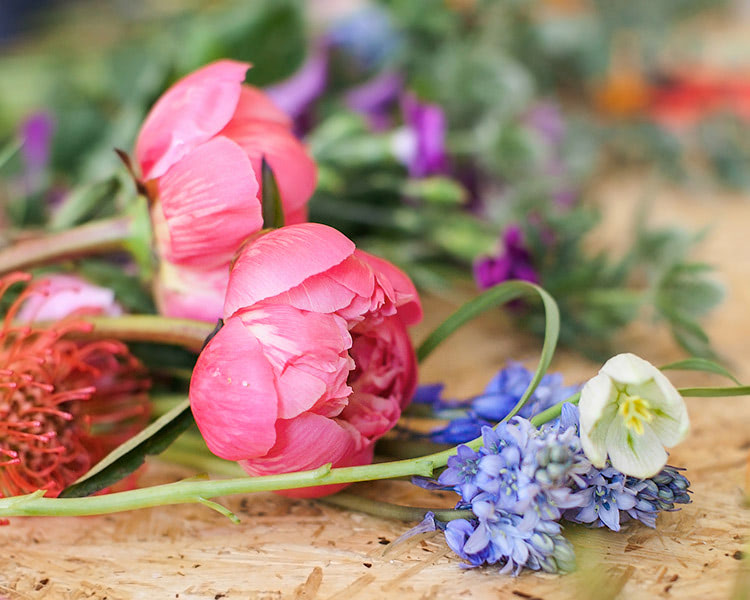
column 553, row 411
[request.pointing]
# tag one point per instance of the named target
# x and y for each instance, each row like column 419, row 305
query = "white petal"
column 671, row 422
column 641, row 456
column 595, row 396
column 597, row 410
column 629, row 369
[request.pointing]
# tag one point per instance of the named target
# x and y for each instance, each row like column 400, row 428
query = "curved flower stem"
column 187, row 333
column 130, row 231
column 93, row 238
column 392, row 511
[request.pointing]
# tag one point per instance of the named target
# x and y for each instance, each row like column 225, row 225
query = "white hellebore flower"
column 630, row 411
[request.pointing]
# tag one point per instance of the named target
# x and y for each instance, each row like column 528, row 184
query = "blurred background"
column 462, row 139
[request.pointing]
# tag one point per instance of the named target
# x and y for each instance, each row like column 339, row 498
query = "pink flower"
column 57, row 296
column 314, row 362
column 200, row 151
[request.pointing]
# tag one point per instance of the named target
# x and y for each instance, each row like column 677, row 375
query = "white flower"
column 630, row 411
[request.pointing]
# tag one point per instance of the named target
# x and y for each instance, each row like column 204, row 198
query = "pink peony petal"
column 233, row 396
column 407, row 298
column 307, row 442
column 189, row 113
column 185, row 292
column 282, row 259
column 209, row 202
column 307, row 350
column 296, row 216
column 295, row 171
column 255, row 105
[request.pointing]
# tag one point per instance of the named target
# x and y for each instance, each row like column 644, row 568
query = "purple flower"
column 421, row 146
column 296, row 94
column 546, row 119
column 36, row 134
column 515, row 263
column 366, row 34
column 460, row 430
column 501, row 538
column 505, row 390
column 461, row 474
column 375, row 98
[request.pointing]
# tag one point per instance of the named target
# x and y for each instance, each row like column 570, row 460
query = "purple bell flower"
column 376, row 98
column 515, row 263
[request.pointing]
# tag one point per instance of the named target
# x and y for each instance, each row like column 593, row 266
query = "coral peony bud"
column 64, row 404
column 201, row 148
column 314, row 362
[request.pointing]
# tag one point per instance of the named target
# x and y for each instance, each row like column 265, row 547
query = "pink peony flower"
column 58, row 296
column 200, row 151
column 314, row 362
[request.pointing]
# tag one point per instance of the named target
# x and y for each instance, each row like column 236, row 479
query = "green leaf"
column 9, row 150
column 273, row 211
column 715, row 392
column 126, row 458
column 699, row 364
column 81, row 203
column 500, row 294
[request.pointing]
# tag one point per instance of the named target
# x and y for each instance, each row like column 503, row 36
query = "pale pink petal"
column 371, row 415
column 190, row 293
column 256, row 105
column 233, row 396
column 282, row 259
column 57, row 296
column 295, row 171
column 209, row 202
column 407, row 298
column 189, row 113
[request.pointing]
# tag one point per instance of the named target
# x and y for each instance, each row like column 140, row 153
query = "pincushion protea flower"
column 64, row 404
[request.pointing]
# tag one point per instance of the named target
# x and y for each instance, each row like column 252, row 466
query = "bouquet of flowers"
column 304, row 358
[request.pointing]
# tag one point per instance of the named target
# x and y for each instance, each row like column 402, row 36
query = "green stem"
column 191, row 491
column 187, row 333
column 130, row 231
column 392, row 511
column 93, row 238
column 553, row 411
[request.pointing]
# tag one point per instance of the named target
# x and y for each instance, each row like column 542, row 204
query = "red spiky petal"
column 64, row 404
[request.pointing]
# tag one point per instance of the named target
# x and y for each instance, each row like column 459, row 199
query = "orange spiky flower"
column 64, row 404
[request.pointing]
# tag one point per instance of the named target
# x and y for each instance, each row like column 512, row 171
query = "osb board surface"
column 301, row 549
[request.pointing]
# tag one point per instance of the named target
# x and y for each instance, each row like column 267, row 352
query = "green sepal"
column 273, row 211
column 139, row 242
column 126, row 458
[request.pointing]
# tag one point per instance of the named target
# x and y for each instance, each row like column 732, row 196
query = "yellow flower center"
column 635, row 411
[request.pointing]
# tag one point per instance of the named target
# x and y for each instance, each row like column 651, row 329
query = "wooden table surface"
column 303, row 549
